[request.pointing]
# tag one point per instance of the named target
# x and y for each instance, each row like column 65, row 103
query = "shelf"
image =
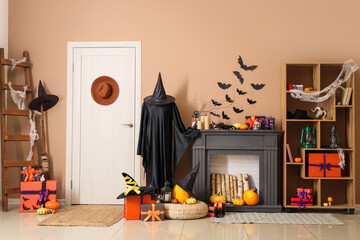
column 326, row 149
column 294, row 163
column 309, row 120
column 330, row 178
column 343, row 106
column 339, row 206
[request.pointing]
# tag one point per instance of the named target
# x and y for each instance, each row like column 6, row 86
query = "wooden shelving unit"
column 342, row 189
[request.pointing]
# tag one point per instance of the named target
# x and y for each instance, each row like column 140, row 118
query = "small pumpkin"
column 180, row 194
column 243, row 126
column 237, row 125
column 219, row 198
column 251, row 197
column 238, row 202
column 52, row 205
column 191, row 200
column 44, row 211
column 175, row 201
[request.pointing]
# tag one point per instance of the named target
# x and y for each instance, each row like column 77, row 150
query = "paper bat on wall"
column 224, row 116
column 216, row 103
column 257, row 86
column 251, row 101
column 224, row 85
column 240, row 92
column 238, row 75
column 243, row 66
column 214, row 114
column 228, row 99
column 34, row 207
column 237, row 110
column 24, row 207
column 25, row 199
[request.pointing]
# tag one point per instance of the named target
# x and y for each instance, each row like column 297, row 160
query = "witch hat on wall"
column 133, row 189
column 41, row 104
column 159, row 96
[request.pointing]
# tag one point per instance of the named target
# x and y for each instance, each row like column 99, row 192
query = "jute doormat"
column 86, row 215
column 279, row 218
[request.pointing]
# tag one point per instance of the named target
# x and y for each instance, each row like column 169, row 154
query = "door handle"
column 130, row 125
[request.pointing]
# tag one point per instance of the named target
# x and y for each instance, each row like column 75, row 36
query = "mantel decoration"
column 218, row 108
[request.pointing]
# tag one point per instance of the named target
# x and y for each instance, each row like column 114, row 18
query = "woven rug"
column 86, row 215
column 279, row 218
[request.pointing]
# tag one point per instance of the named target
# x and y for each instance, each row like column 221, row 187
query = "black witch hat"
column 47, row 100
column 159, row 96
column 188, row 182
column 132, row 189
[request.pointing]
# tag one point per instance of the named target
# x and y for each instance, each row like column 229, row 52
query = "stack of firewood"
column 230, row 186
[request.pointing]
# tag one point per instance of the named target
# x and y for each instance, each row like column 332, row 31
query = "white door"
column 103, row 137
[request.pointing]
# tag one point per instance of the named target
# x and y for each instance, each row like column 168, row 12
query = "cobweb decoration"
column 348, row 68
column 15, row 62
column 32, row 133
column 18, row 96
column 342, row 158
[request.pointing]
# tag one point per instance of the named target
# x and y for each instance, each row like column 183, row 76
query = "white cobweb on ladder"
column 32, row 133
column 18, row 96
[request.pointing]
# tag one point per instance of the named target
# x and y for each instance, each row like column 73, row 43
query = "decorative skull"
column 256, row 126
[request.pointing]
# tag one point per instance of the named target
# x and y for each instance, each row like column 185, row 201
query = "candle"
column 207, row 122
column 199, row 125
column 202, row 119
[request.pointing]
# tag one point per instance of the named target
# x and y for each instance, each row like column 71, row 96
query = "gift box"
column 304, row 193
column 33, row 194
column 30, row 174
column 324, row 165
column 301, row 202
column 132, row 206
column 152, row 212
column 218, row 210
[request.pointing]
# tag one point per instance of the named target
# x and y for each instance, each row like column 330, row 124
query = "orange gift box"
column 132, row 206
column 324, row 165
column 30, row 193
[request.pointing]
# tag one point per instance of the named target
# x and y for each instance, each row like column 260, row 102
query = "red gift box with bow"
column 324, row 165
column 33, row 193
column 132, row 206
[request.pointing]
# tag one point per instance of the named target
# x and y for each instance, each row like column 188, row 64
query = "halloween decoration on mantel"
column 230, row 98
column 41, row 104
column 104, row 90
column 160, row 129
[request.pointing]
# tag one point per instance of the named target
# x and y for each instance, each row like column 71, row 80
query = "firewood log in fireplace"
column 246, row 182
column 218, row 183
column 240, row 186
column 213, row 189
column 235, row 187
column 231, row 188
column 223, row 192
column 227, row 188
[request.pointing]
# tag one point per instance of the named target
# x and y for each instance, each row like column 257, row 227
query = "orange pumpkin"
column 251, row 197
column 244, row 126
column 219, row 198
column 180, row 194
column 238, row 202
column 52, row 205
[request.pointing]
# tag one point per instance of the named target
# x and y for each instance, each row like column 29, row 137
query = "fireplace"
column 262, row 143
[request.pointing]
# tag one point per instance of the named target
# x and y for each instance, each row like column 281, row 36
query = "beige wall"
column 193, row 43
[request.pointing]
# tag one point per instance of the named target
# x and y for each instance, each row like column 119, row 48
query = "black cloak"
column 162, row 130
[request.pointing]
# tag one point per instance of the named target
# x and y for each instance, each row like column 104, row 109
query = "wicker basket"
column 186, row 211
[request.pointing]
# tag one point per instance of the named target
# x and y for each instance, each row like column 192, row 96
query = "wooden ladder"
column 13, row 112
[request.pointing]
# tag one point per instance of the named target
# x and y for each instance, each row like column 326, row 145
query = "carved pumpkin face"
column 251, row 197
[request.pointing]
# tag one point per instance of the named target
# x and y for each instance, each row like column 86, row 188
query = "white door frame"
column 70, row 98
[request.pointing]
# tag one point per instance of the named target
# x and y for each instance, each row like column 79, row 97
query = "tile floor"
column 14, row 225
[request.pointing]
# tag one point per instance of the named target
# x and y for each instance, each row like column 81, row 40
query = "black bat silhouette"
column 224, row 116
column 34, row 207
column 228, row 99
column 214, row 114
column 243, row 66
column 251, row 101
column 25, row 199
column 240, row 92
column 237, row 110
column 224, row 85
column 257, row 86
column 216, row 103
column 238, row 75
column 24, row 207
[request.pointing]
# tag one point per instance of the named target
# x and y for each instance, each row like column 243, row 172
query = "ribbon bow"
column 303, row 194
column 301, row 203
column 29, row 174
column 153, row 214
column 131, row 185
column 251, row 121
column 44, row 197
